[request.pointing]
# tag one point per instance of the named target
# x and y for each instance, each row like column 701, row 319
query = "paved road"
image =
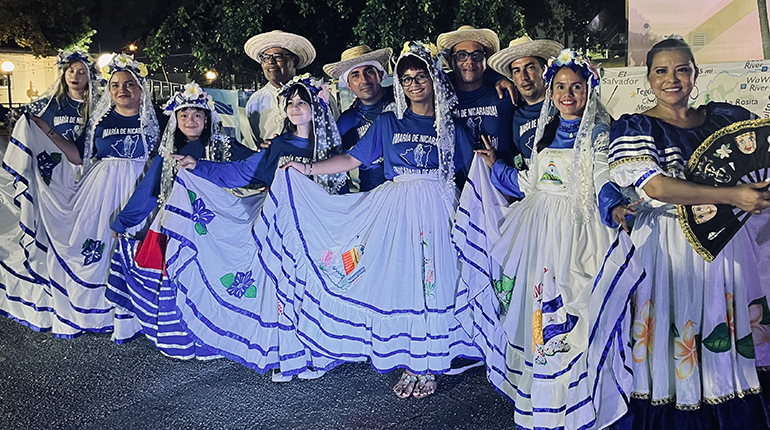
column 92, row 383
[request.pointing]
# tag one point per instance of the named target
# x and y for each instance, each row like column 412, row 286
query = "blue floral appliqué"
column 46, row 163
column 201, row 216
column 239, row 284
column 92, row 250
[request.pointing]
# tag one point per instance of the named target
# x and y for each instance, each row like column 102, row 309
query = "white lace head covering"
column 581, row 184
column 148, row 121
column 218, row 147
column 327, row 136
column 444, row 100
column 64, row 60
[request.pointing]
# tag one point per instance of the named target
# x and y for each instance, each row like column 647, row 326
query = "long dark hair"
column 669, row 45
column 288, row 126
column 549, row 132
column 180, row 140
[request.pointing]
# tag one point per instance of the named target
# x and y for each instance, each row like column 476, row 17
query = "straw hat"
column 523, row 47
column 357, row 55
column 293, row 43
column 484, row 36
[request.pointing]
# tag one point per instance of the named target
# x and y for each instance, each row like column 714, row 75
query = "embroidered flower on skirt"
column 201, row 216
column 239, row 284
column 46, row 163
column 92, row 251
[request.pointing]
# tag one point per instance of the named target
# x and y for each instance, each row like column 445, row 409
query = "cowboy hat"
column 484, row 36
column 357, row 55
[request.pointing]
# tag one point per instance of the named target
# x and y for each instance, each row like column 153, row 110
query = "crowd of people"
column 484, row 210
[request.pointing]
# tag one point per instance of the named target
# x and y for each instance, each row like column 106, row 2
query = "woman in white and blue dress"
column 71, row 219
column 137, row 283
column 700, row 329
column 225, row 299
column 526, row 293
column 63, row 110
column 373, row 275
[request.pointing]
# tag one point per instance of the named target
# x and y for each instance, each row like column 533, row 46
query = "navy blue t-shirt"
column 65, row 118
column 353, row 124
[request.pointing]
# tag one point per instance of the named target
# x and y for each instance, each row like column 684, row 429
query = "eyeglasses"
column 278, row 58
column 475, row 56
column 420, row 79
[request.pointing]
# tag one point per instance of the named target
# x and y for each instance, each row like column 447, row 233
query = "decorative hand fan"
column 734, row 155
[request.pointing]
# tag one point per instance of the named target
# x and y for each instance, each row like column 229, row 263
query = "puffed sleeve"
column 608, row 194
column 633, row 155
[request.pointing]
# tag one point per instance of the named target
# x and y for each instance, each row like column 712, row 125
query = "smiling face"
column 298, row 110
column 76, row 77
column 191, row 122
column 527, row 75
column 125, row 91
column 279, row 65
column 365, row 83
column 569, row 92
column 672, row 77
column 469, row 71
column 420, row 88
column 703, row 213
column 747, row 142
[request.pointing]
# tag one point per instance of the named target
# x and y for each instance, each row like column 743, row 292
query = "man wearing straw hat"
column 281, row 55
column 524, row 61
column 483, row 106
column 361, row 70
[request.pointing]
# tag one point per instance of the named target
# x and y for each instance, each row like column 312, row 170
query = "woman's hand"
column 752, row 197
column 620, row 213
column 300, row 167
column 185, row 161
column 47, row 129
column 115, row 235
column 488, row 153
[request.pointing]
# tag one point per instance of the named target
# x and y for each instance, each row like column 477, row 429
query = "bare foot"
column 405, row 385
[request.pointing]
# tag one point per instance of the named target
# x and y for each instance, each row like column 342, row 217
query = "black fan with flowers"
column 734, row 155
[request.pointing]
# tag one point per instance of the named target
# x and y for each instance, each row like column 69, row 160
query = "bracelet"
column 50, row 132
column 311, row 170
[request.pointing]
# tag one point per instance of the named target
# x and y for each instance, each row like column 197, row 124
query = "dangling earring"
column 696, row 95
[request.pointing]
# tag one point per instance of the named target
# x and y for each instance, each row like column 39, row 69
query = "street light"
column 211, row 75
column 104, row 59
column 7, row 68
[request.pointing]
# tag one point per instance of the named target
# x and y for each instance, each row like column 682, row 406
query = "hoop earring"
column 696, row 95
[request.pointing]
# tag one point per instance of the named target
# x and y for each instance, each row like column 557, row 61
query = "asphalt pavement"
column 92, row 383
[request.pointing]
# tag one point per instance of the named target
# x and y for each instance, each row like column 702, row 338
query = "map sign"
column 746, row 84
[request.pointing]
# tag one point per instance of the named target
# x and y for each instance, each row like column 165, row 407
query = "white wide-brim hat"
column 358, row 55
column 291, row 42
column 523, row 47
column 483, row 36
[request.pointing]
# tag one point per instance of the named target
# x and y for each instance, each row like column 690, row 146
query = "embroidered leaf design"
column 200, row 229
column 745, row 346
column 192, row 195
column 85, row 244
column 719, row 339
column 251, row 292
column 56, row 157
column 101, row 248
column 674, row 331
column 227, row 280
column 762, row 301
column 47, row 180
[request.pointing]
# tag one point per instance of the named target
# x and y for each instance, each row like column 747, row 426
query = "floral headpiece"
column 317, row 86
column 124, row 62
column 427, row 51
column 65, row 57
column 191, row 96
column 571, row 59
